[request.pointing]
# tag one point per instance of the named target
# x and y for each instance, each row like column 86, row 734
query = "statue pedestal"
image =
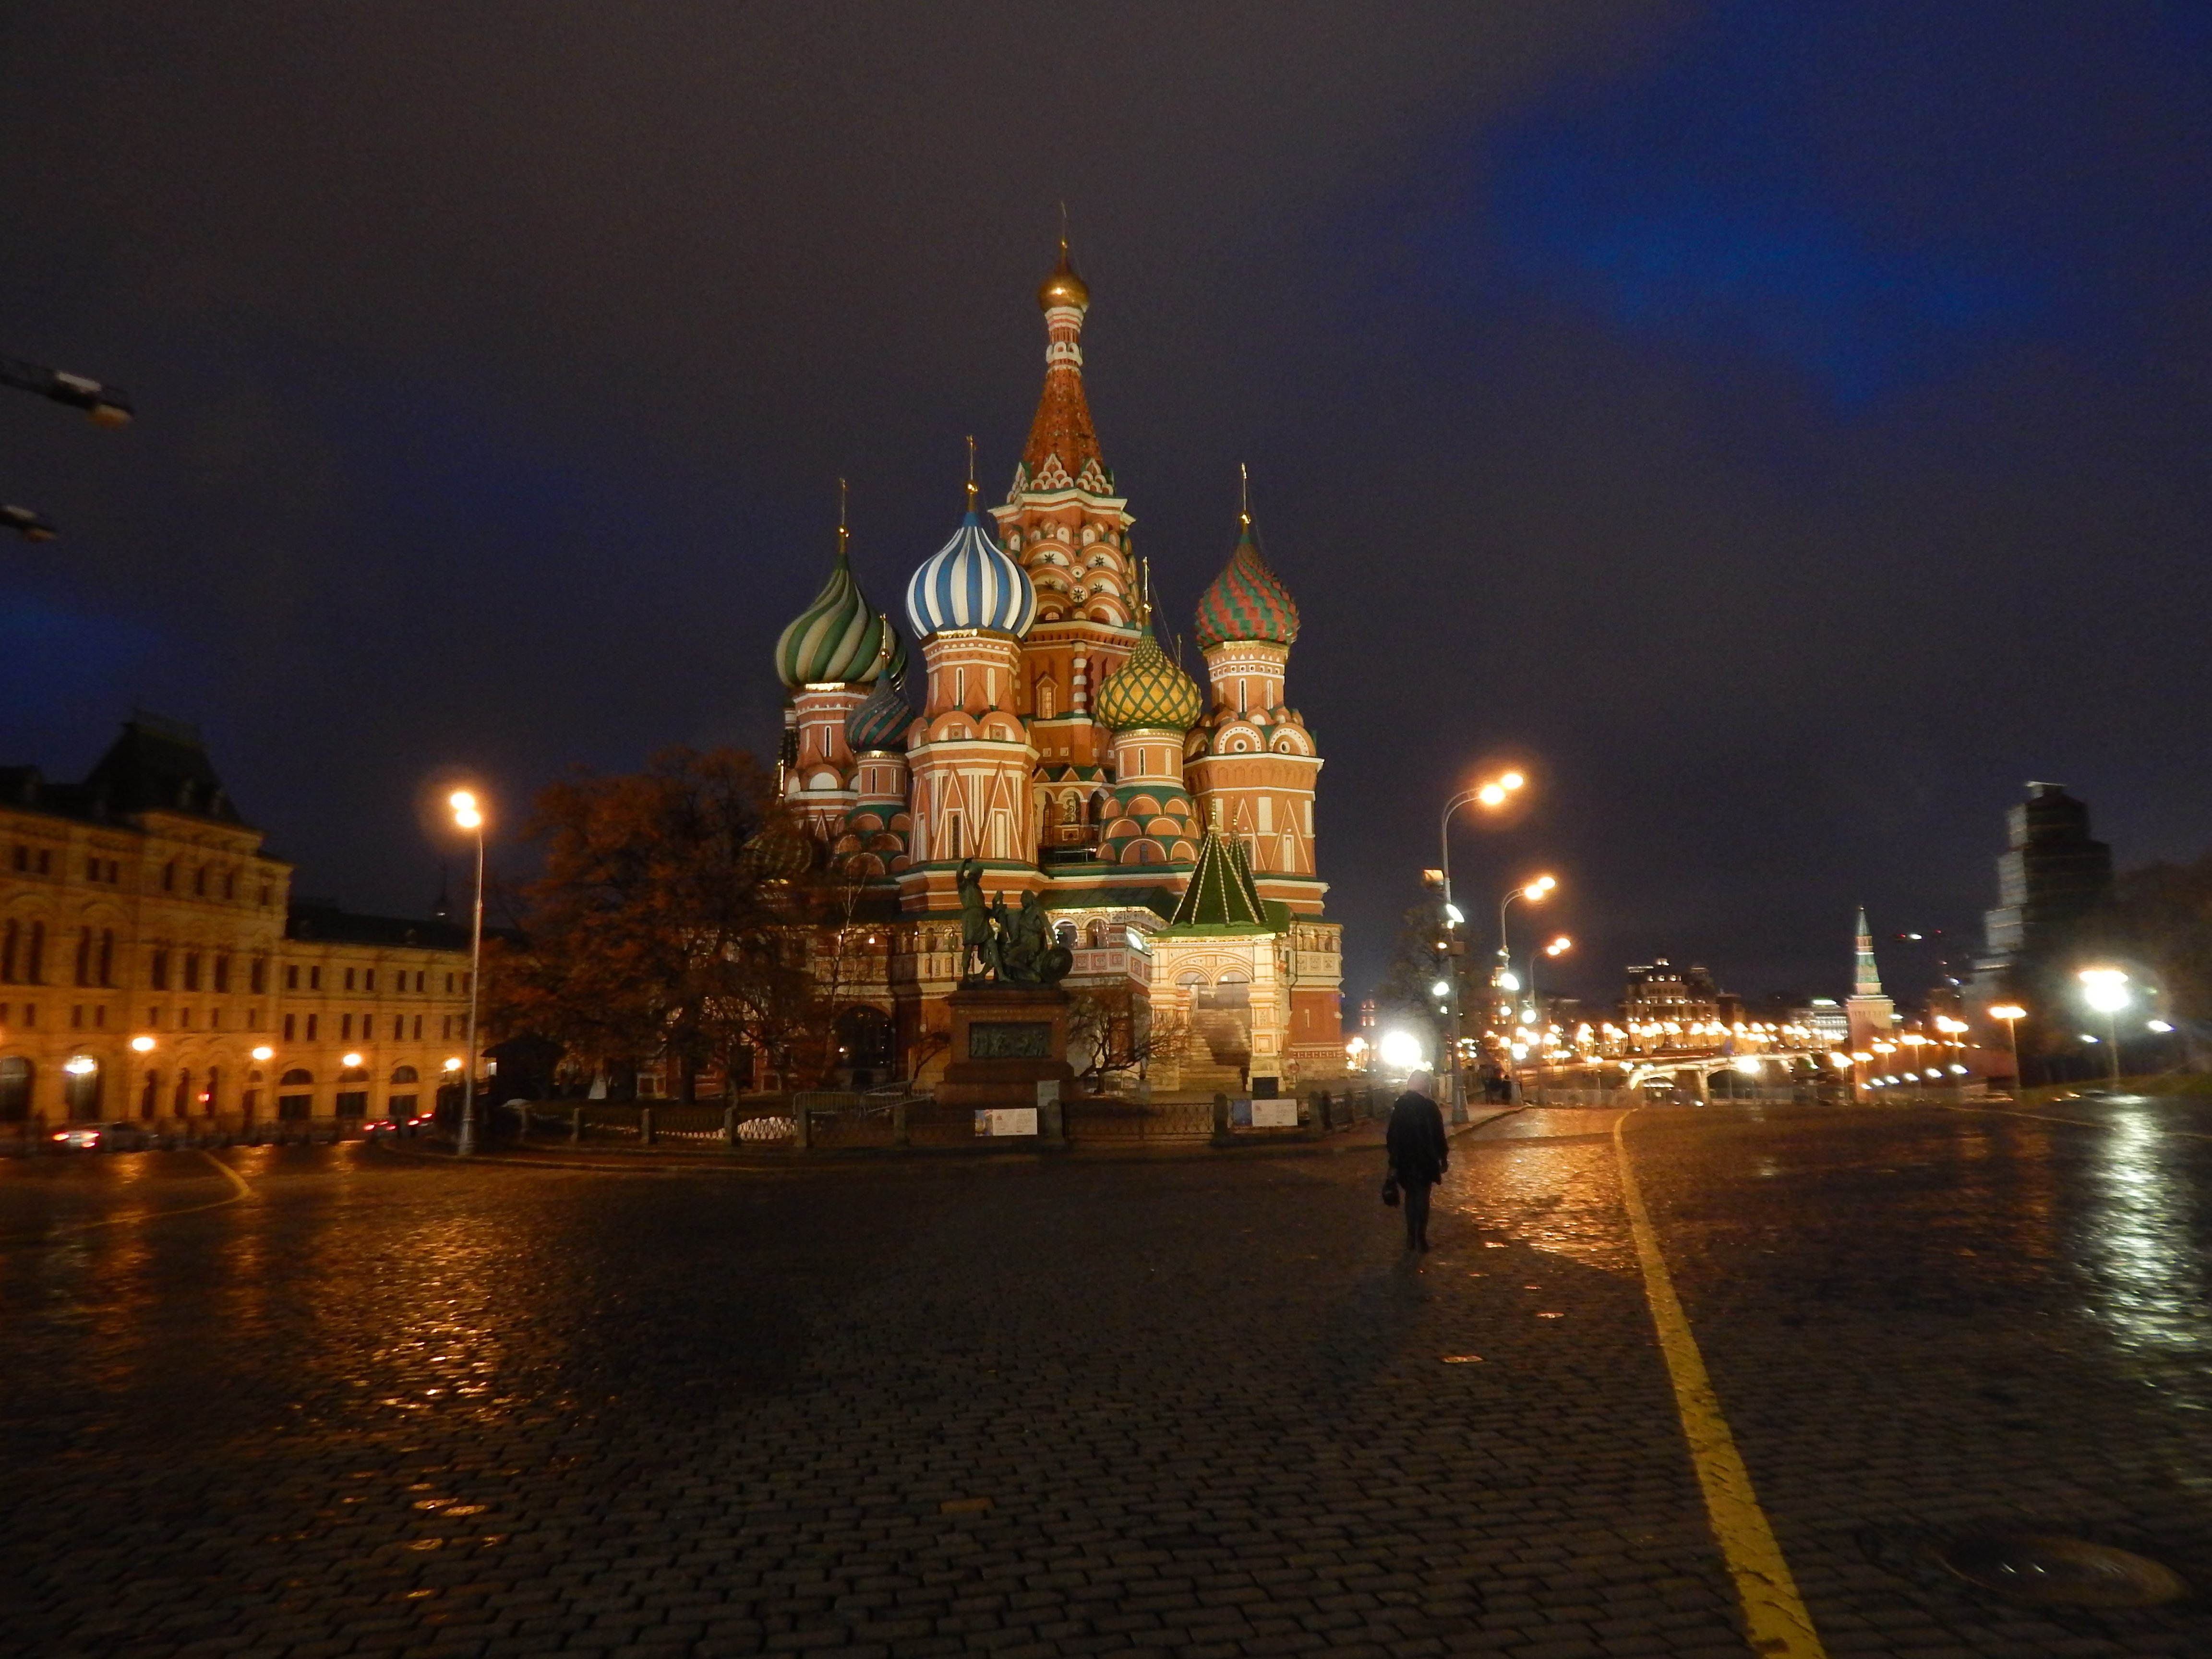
column 1007, row 1040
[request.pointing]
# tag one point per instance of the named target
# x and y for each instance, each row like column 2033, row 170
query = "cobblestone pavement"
column 1071, row 1404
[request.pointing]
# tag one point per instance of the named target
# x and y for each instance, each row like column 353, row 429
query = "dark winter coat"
column 1416, row 1141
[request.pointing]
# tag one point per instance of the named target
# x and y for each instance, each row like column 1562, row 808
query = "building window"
column 222, row 974
column 34, row 965
column 399, row 1028
column 419, row 981
column 449, row 984
column 267, row 895
column 199, row 881
column 107, row 957
column 169, row 877
column 30, row 1014
column 257, row 977
column 10, row 940
column 418, row 1028
column 292, row 979
column 291, row 1026
column 230, row 884
column 368, row 979
column 15, row 1074
column 191, row 970
column 312, row 1021
column 45, row 862
column 348, row 979
column 158, row 973
column 84, row 956
column 314, row 979
column 345, row 1028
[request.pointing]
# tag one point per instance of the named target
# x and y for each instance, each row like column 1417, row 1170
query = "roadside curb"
column 627, row 1161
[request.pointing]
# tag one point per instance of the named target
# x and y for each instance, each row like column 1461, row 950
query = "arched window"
column 403, row 1074
column 180, row 1103
column 1096, row 934
column 1065, row 935
column 11, row 940
column 1047, row 700
column 295, row 1076
column 354, row 1074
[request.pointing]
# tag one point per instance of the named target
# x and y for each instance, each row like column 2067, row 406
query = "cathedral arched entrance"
column 1221, row 1024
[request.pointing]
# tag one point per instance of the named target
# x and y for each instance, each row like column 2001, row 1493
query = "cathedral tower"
column 970, row 754
column 1148, row 822
column 1069, row 529
column 827, row 658
column 1251, row 762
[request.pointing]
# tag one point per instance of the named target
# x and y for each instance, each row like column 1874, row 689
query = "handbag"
column 1390, row 1190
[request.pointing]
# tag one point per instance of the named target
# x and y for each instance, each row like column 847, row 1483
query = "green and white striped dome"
column 838, row 638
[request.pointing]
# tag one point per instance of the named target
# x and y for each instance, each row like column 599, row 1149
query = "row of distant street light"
column 2105, row 990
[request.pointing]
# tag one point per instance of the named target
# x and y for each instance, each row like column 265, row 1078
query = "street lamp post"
column 1503, row 978
column 467, row 817
column 105, row 405
column 2012, row 1014
column 1490, row 794
column 1557, row 947
column 2106, row 989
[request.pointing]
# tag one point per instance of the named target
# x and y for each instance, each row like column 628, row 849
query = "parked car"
column 101, row 1137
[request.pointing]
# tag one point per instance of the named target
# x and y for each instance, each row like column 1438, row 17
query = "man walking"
column 1418, row 1153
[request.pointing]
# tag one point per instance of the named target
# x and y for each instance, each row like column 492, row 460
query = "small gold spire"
column 1243, row 495
column 842, row 533
column 1144, row 591
column 971, row 472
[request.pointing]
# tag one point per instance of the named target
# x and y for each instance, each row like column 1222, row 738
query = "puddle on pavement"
column 2052, row 1570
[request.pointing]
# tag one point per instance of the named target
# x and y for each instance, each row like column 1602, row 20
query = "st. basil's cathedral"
column 1168, row 832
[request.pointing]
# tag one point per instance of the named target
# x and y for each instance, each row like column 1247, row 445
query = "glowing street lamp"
column 2105, row 990
column 1490, row 794
column 468, row 815
column 264, row 1053
column 2012, row 1014
column 142, row 1045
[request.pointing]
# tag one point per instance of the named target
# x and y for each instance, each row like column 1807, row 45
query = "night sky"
column 1785, row 428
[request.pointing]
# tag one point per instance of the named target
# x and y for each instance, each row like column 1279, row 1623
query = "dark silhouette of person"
column 1418, row 1153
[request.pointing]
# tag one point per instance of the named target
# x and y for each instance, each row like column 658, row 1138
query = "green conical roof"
column 1149, row 691
column 1221, row 893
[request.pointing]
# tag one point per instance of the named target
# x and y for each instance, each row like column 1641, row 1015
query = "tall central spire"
column 1866, row 977
column 1062, row 453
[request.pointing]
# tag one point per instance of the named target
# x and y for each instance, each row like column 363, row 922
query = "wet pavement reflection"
column 1073, row 1404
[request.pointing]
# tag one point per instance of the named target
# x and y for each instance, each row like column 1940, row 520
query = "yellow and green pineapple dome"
column 1149, row 691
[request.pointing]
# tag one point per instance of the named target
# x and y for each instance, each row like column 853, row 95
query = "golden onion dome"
column 1149, row 691
column 1063, row 287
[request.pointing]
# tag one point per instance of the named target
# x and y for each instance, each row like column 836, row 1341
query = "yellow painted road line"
column 1774, row 1615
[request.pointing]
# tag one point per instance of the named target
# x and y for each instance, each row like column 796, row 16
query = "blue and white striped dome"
column 970, row 582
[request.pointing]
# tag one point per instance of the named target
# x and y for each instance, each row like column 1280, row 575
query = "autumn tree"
column 670, row 922
column 1113, row 1031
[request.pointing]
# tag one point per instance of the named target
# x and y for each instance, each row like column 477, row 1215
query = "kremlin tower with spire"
column 1168, row 830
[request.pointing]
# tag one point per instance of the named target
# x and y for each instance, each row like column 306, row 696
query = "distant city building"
column 149, row 945
column 1825, row 1018
column 1662, row 995
column 2050, row 876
